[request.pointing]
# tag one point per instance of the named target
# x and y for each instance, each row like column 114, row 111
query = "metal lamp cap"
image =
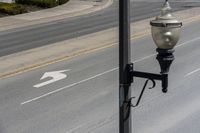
column 166, row 19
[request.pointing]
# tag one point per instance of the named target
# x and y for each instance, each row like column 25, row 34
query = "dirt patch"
column 31, row 8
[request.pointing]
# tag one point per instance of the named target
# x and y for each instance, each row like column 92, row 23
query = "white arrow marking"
column 56, row 76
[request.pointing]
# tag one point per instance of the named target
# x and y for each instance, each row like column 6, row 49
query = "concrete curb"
column 52, row 14
column 35, row 58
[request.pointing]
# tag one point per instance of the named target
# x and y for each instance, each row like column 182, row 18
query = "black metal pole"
column 124, row 60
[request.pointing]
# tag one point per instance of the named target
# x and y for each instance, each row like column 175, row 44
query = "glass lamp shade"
column 165, row 29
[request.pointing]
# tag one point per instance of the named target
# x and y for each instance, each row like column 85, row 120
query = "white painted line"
column 187, row 42
column 75, row 128
column 68, row 86
column 82, row 81
column 144, row 58
column 193, row 72
column 98, row 75
column 182, row 44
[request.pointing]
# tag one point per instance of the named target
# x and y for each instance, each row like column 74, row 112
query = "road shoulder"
column 35, row 58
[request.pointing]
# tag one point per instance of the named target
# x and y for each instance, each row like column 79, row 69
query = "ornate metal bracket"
column 163, row 77
column 142, row 92
column 129, row 103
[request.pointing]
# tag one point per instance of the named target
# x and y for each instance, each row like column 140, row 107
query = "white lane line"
column 182, row 44
column 197, row 70
column 98, row 75
column 82, row 81
column 144, row 58
column 193, row 72
column 187, row 42
column 75, row 128
column 68, row 86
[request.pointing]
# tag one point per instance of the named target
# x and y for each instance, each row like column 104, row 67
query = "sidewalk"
column 71, row 9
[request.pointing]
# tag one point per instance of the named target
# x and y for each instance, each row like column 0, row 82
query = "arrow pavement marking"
column 55, row 75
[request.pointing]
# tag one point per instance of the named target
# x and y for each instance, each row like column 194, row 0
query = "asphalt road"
column 86, row 101
column 17, row 40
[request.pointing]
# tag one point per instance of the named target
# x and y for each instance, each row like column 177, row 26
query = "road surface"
column 86, row 100
column 17, row 40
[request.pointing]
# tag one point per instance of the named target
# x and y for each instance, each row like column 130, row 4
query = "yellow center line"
column 78, row 53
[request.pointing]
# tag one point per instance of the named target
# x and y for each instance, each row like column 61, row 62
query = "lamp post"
column 124, row 60
column 165, row 31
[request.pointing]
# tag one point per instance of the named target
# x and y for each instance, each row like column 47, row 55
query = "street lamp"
column 165, row 31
